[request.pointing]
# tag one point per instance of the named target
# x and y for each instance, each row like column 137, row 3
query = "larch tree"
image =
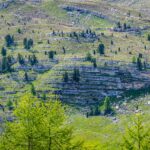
column 137, row 136
column 38, row 125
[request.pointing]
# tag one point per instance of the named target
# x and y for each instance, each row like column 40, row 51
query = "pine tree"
column 112, row 43
column 125, row 26
column 144, row 65
column 94, row 63
column 148, row 37
column 118, row 25
column 19, row 31
column 26, row 78
column 44, row 97
column 139, row 64
column 51, row 54
column 10, row 105
column 9, row 40
column 137, row 136
column 101, row 49
column 33, row 91
column 21, row 59
column 88, row 57
column 38, row 126
column 4, row 51
column 64, row 50
column 133, row 59
column 33, row 60
column 4, row 64
column 28, row 43
column 25, row 43
column 65, row 77
column 76, row 75
column 107, row 106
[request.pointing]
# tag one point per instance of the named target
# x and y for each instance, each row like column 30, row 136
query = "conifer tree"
column 44, row 97
column 148, row 37
column 107, row 106
column 65, row 77
column 38, row 126
column 4, row 64
column 4, row 51
column 9, row 40
column 76, row 75
column 51, row 54
column 21, row 59
column 137, row 136
column 26, row 78
column 101, row 49
column 139, row 64
column 33, row 91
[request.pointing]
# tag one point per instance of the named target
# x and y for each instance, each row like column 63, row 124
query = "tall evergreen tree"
column 64, row 50
column 28, row 43
column 137, row 136
column 33, row 60
column 4, row 51
column 33, row 91
column 101, row 49
column 44, row 97
column 38, row 126
column 148, row 37
column 25, row 43
column 76, row 75
column 94, row 63
column 65, row 77
column 4, row 64
column 51, row 54
column 107, row 106
column 9, row 40
column 21, row 59
column 26, row 78
column 139, row 64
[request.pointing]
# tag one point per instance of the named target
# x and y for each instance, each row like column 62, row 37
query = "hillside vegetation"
column 92, row 55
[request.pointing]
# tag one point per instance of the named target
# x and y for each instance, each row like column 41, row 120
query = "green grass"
column 103, row 132
column 52, row 8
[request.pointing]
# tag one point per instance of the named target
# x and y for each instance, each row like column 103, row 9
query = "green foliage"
column 33, row 91
column 6, row 66
column 28, row 43
column 133, row 59
column 51, row 54
column 118, row 25
column 65, row 77
column 33, row 60
column 148, row 37
column 88, row 57
column 10, row 105
column 137, row 136
column 21, row 59
column 91, row 59
column 64, row 50
column 107, row 106
column 9, row 40
column 38, row 125
column 44, row 97
column 95, row 111
column 19, row 31
column 101, row 49
column 4, row 51
column 76, row 75
column 139, row 64
column 26, row 78
column 94, row 63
